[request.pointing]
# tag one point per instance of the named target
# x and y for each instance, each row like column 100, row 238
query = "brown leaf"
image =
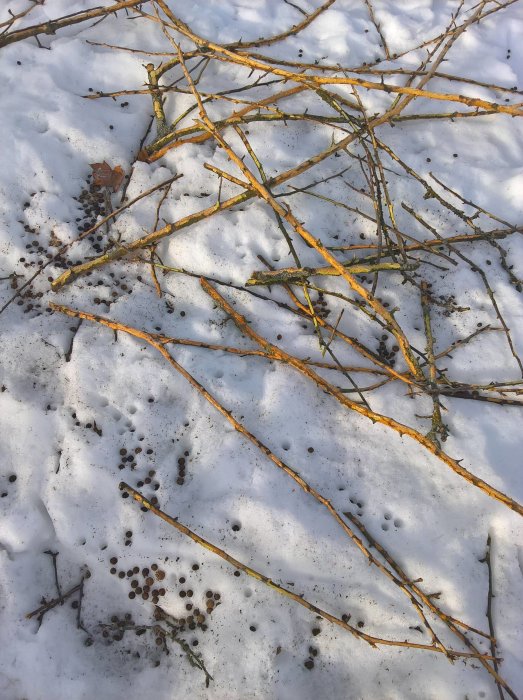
column 105, row 176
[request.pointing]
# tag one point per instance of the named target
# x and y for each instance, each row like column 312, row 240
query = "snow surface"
column 65, row 497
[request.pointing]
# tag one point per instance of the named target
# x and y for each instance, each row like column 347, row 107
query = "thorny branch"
column 394, row 250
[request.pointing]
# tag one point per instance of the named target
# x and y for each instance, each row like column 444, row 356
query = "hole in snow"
column 286, row 445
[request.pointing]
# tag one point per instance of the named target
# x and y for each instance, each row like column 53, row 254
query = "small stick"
column 79, row 623
column 45, row 607
column 377, row 25
column 440, row 242
column 490, row 597
column 156, row 95
column 463, row 341
column 69, row 351
column 293, row 274
column 9, row 23
column 439, row 429
column 54, row 555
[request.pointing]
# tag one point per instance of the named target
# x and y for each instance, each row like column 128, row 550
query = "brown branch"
column 377, row 26
column 292, row 274
column 45, row 607
column 490, row 596
column 52, row 26
column 439, row 430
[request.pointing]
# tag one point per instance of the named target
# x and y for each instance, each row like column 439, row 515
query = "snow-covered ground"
column 83, row 407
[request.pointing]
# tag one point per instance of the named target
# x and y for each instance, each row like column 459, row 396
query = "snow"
column 74, row 396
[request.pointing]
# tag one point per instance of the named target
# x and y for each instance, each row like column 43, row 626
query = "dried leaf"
column 105, row 176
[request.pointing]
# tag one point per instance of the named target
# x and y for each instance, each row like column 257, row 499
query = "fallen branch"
column 292, row 275
column 53, row 25
column 370, row 639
